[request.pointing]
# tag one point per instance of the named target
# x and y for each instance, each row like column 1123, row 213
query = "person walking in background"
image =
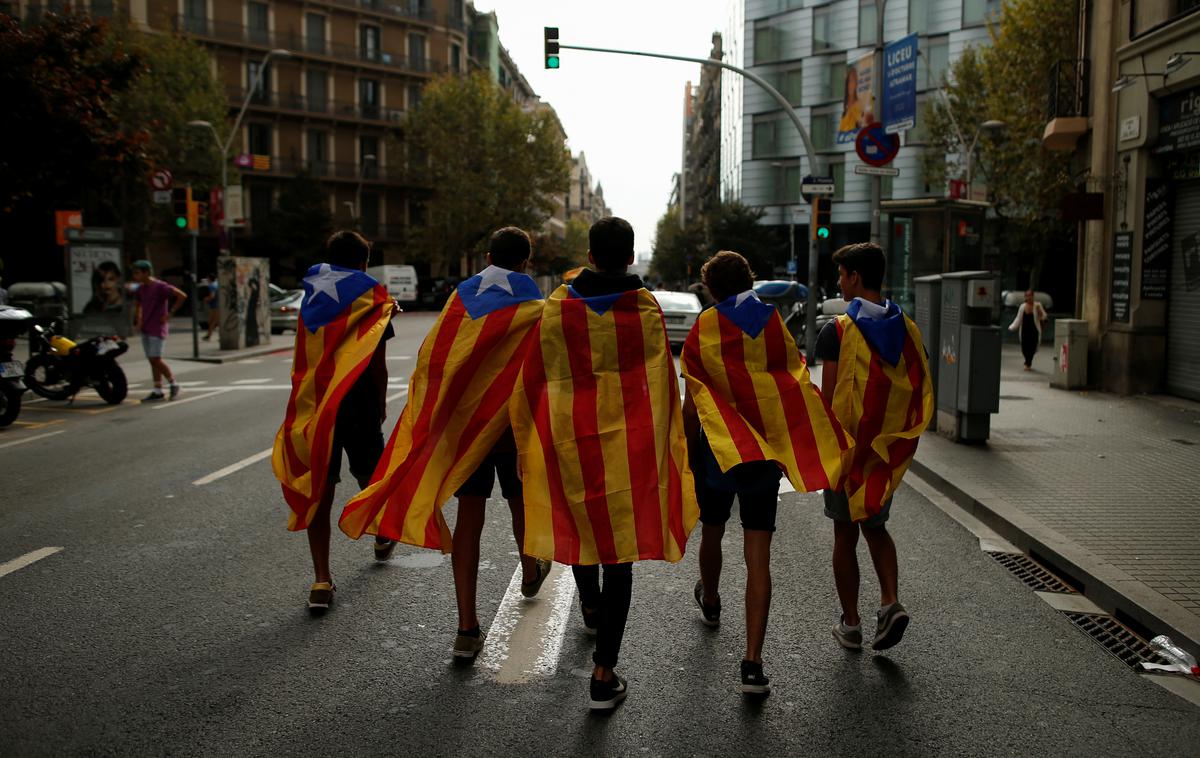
column 212, row 301
column 1031, row 316
column 155, row 302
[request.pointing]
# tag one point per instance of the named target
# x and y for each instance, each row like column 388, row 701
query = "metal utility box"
column 968, row 355
column 928, row 316
column 1070, row 353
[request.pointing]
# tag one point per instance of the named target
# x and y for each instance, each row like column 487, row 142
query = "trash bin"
column 968, row 389
column 1070, row 353
column 47, row 301
column 928, row 317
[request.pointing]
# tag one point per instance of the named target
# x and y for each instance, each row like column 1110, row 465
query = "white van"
column 401, row 282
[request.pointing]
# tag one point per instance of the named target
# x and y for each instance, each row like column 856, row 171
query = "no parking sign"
column 876, row 147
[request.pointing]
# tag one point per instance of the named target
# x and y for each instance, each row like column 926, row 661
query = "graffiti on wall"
column 245, row 313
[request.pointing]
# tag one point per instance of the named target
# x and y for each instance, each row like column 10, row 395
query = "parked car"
column 277, row 292
column 680, row 310
column 285, row 311
column 432, row 293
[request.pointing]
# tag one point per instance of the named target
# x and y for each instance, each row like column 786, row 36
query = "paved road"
column 172, row 621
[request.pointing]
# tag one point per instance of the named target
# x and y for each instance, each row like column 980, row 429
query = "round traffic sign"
column 876, row 147
column 161, row 179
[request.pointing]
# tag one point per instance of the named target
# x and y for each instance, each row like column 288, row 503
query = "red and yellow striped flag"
column 884, row 407
column 754, row 396
column 597, row 420
column 342, row 319
column 457, row 409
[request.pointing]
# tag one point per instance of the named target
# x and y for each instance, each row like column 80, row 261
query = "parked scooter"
column 13, row 322
column 60, row 367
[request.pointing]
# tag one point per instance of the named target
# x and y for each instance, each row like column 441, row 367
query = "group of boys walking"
column 572, row 403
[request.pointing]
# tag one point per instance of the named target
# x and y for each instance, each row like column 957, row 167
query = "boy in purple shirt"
column 155, row 302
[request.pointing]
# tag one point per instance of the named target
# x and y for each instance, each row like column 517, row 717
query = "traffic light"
column 193, row 214
column 203, row 223
column 181, row 205
column 551, row 47
column 821, row 221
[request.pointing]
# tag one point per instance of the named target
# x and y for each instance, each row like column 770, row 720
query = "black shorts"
column 755, row 484
column 480, row 483
column 364, row 448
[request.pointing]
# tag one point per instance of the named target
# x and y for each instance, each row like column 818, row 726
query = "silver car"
column 285, row 311
column 680, row 310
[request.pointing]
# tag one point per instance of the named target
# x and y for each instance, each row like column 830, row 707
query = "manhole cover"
column 1117, row 640
column 1034, row 575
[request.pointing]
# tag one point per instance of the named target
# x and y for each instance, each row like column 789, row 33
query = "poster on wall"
column 96, row 279
column 1122, row 272
column 1156, row 240
column 1179, row 122
column 245, row 309
column 858, row 105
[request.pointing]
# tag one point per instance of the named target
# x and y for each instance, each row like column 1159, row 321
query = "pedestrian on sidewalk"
column 212, row 301
column 596, row 415
column 154, row 304
column 876, row 378
column 1028, row 326
column 454, row 436
column 339, row 390
column 752, row 415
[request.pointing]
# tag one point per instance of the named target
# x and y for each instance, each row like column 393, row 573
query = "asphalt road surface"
column 152, row 602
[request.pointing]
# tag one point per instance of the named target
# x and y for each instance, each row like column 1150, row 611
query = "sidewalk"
column 1106, row 488
column 179, row 345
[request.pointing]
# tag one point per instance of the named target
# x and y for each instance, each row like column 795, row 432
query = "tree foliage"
column 295, row 232
column 552, row 255
column 727, row 226
column 488, row 163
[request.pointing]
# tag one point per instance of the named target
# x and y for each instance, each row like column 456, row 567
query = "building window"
column 414, row 96
column 102, row 8
column 316, row 83
column 764, row 136
column 318, row 152
column 838, row 172
column 314, row 33
column 258, row 81
column 934, row 60
column 833, row 81
column 767, row 43
column 195, row 16
column 786, row 183
column 790, row 84
column 257, row 24
column 416, row 52
column 868, row 17
column 918, row 16
column 261, row 200
column 823, row 129
column 822, row 39
column 368, row 156
column 368, row 42
column 369, row 213
column 368, row 98
column 258, row 138
column 979, row 12
column 919, row 134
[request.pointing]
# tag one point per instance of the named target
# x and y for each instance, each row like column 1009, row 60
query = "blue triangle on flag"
column 599, row 304
column 329, row 290
column 480, row 304
column 751, row 316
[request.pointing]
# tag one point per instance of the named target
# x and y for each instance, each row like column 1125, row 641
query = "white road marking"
column 398, row 395
column 248, row 361
column 785, row 486
column 526, row 636
column 20, row 563
column 191, row 398
column 31, row 439
column 399, row 357
column 233, row 468
column 251, row 381
column 193, row 383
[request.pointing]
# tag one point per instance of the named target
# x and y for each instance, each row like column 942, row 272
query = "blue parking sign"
column 899, row 107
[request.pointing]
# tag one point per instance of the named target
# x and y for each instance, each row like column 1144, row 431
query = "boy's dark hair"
column 726, row 274
column 347, row 249
column 509, row 247
column 611, row 243
column 867, row 259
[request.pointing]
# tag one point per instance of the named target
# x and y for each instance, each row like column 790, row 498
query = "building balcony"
column 301, row 105
column 1067, row 108
column 369, row 175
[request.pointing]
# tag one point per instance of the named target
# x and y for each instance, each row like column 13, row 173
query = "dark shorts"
column 755, row 484
column 364, row 448
column 837, row 507
column 496, row 464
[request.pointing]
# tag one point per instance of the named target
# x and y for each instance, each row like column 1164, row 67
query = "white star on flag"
column 494, row 276
column 325, row 280
column 744, row 296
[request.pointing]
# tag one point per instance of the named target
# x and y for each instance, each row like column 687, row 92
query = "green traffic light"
column 823, row 232
column 552, row 61
column 181, row 222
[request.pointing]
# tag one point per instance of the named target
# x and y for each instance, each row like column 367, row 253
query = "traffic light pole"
column 815, row 167
column 192, row 234
column 876, row 94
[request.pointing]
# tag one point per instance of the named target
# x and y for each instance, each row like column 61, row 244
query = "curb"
column 233, row 355
column 1118, row 593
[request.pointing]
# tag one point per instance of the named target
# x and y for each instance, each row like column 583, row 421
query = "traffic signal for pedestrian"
column 181, row 204
column 551, row 47
column 821, row 218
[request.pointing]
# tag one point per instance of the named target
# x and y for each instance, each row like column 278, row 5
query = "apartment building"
column 583, row 199
column 699, row 184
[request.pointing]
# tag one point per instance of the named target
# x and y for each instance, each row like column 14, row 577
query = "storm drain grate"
column 1120, row 642
column 1034, row 575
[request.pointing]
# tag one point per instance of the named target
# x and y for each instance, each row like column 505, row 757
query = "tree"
column 679, row 253
column 295, row 232
column 488, row 162
column 554, row 256
column 676, row 254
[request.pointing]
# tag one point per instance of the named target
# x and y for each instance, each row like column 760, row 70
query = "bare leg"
column 758, row 590
column 883, row 555
column 711, row 560
column 165, row 371
column 465, row 558
column 155, row 372
column 318, row 537
column 845, row 569
column 516, row 505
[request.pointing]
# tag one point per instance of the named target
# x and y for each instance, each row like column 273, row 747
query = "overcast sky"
column 625, row 113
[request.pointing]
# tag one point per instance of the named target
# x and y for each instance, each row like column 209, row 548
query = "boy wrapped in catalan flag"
column 752, row 415
column 339, row 380
column 453, row 437
column 876, row 377
column 597, row 422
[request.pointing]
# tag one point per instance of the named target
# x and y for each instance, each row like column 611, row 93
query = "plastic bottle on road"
column 1163, row 645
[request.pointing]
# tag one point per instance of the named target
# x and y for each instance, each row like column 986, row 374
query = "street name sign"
column 816, row 186
column 162, row 197
column 877, row 170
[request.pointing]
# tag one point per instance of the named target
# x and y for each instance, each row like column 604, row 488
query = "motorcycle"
column 60, row 367
column 13, row 323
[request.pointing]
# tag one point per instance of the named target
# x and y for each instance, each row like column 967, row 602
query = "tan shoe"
column 466, row 646
column 320, row 596
column 531, row 588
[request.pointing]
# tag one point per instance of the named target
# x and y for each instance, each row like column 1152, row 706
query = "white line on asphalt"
column 399, row 357
column 191, row 398
column 251, row 381
column 398, row 395
column 248, row 361
column 785, row 486
column 233, row 468
column 526, row 636
column 193, row 383
column 31, row 439
column 20, row 563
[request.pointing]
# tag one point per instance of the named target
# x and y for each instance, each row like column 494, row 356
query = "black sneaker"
column 591, row 620
column 174, row 391
column 606, row 695
column 154, row 397
column 890, row 625
column 709, row 614
column 383, row 549
column 754, row 681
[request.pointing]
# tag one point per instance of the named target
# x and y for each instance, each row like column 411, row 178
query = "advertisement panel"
column 858, row 106
column 899, row 104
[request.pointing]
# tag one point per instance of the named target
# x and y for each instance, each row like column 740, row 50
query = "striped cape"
column 884, row 408
column 598, row 424
column 457, row 409
column 342, row 319
column 754, row 396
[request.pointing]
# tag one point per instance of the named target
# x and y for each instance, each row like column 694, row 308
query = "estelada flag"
column 457, row 409
column 342, row 319
column 754, row 396
column 884, row 399
column 597, row 420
